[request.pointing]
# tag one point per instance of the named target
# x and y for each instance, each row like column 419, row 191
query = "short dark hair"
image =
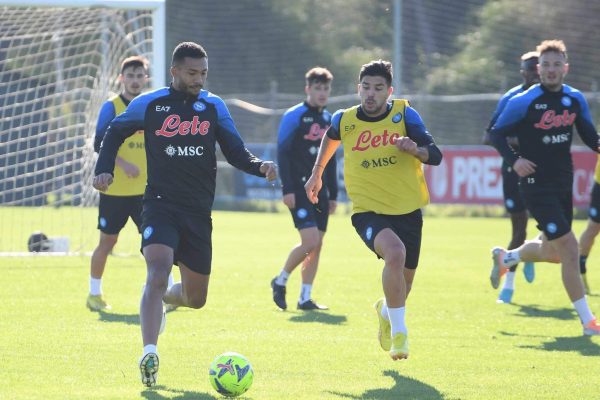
column 135, row 62
column 555, row 45
column 187, row 49
column 377, row 68
column 529, row 60
column 318, row 75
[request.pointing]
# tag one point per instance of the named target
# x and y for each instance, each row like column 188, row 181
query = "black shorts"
column 553, row 211
column 594, row 211
column 189, row 235
column 513, row 201
column 308, row 215
column 113, row 212
column 408, row 227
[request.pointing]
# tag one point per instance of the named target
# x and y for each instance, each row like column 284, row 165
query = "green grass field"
column 463, row 344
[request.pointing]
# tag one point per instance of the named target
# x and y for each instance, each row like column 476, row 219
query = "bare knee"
column 107, row 242
column 311, row 243
column 395, row 256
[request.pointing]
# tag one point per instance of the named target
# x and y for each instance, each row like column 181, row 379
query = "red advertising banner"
column 471, row 175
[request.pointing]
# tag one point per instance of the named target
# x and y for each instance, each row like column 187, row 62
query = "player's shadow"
column 537, row 311
column 404, row 388
column 319, row 317
column 128, row 319
column 580, row 344
column 154, row 394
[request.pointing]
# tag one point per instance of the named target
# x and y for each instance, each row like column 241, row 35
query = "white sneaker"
column 149, row 369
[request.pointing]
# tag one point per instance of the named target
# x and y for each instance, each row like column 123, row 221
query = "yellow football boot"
column 97, row 303
column 385, row 329
column 399, row 348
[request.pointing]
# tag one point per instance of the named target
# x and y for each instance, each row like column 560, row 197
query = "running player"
column 542, row 119
column 123, row 200
column 182, row 125
column 385, row 143
column 510, row 182
column 300, row 132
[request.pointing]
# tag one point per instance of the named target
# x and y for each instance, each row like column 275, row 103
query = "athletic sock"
column 95, row 286
column 282, row 279
column 582, row 308
column 305, row 293
column 509, row 281
column 150, row 348
column 582, row 261
column 396, row 316
column 511, row 258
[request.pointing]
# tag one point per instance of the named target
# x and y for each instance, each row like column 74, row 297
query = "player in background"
column 513, row 202
column 123, row 200
column 385, row 144
column 543, row 118
column 587, row 238
column 182, row 124
column 300, row 133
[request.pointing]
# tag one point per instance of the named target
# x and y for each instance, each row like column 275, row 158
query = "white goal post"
column 59, row 61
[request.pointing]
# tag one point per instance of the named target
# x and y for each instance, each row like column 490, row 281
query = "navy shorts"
column 594, row 211
column 189, row 235
column 114, row 211
column 408, row 227
column 513, row 200
column 308, row 215
column 553, row 211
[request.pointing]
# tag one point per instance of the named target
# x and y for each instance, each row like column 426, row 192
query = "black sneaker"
column 279, row 294
column 311, row 305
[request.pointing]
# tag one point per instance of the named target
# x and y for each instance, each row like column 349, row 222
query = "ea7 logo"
column 541, row 106
column 163, row 108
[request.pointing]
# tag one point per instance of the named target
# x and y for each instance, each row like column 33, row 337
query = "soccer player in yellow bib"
column 586, row 241
column 124, row 197
column 385, row 144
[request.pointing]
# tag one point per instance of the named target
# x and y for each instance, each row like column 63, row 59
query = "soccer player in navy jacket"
column 300, row 133
column 513, row 201
column 543, row 118
column 182, row 124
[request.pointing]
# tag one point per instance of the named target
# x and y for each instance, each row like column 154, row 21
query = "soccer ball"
column 231, row 374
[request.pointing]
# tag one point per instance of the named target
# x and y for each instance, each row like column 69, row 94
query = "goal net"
column 58, row 64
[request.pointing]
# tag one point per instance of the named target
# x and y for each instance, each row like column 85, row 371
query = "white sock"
column 384, row 311
column 305, row 292
column 512, row 258
column 509, row 281
column 582, row 308
column 397, row 320
column 95, row 286
column 150, row 348
column 171, row 281
column 282, row 278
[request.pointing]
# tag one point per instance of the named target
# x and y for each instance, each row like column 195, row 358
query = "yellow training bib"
column 133, row 151
column 378, row 176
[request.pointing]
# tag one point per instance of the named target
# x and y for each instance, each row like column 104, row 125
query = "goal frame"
column 158, row 8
